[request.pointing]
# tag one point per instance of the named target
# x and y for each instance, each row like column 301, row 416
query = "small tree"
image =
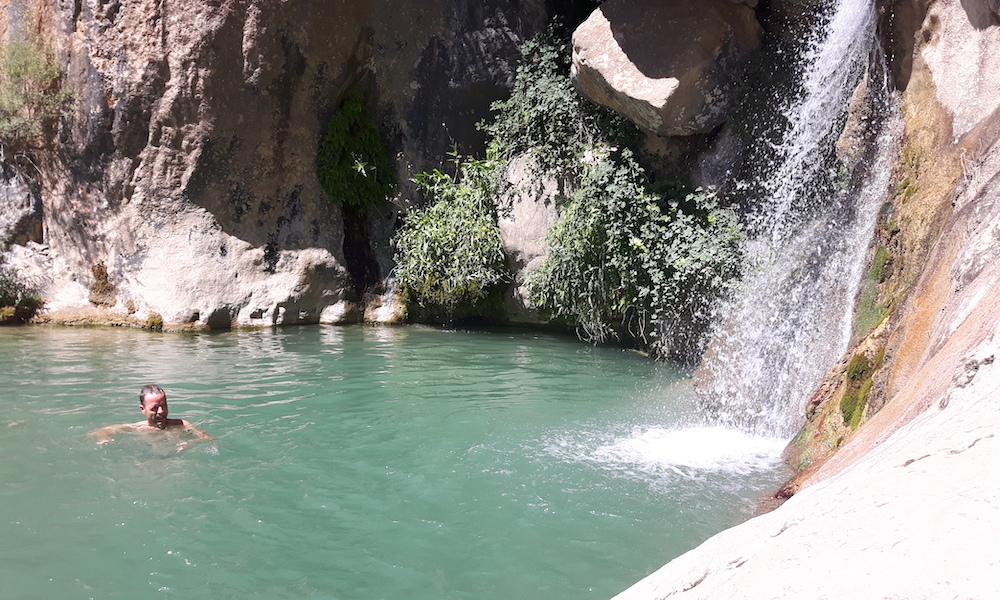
column 31, row 97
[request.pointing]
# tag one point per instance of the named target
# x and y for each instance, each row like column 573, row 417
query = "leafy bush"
column 621, row 256
column 623, row 260
column 30, row 94
column 12, row 287
column 18, row 299
column 450, row 252
column 545, row 118
column 352, row 163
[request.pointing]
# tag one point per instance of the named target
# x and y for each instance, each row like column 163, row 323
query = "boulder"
column 524, row 221
column 857, row 132
column 667, row 66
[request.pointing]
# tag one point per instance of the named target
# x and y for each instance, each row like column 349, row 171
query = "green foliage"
column 852, row 407
column 450, row 252
column 154, row 322
column 858, row 368
column 545, row 118
column 620, row 254
column 30, row 94
column 860, row 373
column 18, row 299
column 868, row 313
column 879, row 272
column 13, row 288
column 352, row 163
column 623, row 260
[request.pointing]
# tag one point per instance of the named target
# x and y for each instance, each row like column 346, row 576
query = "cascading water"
column 810, row 222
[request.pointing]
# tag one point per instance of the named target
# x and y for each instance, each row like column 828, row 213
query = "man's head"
column 153, row 404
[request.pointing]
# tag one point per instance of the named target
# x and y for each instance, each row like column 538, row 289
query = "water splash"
column 686, row 451
column 811, row 224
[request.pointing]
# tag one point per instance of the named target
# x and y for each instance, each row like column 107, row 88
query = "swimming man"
column 153, row 404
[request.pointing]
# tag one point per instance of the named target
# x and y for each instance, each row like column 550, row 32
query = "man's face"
column 155, row 409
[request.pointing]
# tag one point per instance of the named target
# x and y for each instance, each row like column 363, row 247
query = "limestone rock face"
column 965, row 87
column 20, row 211
column 909, row 520
column 667, row 66
column 187, row 165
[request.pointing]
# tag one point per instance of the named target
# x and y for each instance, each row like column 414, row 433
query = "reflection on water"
column 355, row 462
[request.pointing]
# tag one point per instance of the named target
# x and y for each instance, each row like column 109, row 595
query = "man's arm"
column 201, row 433
column 104, row 433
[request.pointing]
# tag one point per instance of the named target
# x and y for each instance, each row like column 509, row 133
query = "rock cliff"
column 900, row 505
column 181, row 186
column 184, row 171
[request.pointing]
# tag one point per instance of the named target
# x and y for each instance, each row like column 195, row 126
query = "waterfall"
column 810, row 221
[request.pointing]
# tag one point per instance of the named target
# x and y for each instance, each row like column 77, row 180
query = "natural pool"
column 356, row 463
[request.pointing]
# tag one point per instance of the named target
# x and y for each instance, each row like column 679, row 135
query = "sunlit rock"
column 525, row 218
column 668, row 66
column 186, row 165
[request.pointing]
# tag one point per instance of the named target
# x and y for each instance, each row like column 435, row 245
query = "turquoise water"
column 355, row 463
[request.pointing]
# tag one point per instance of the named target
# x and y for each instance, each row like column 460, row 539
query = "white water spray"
column 791, row 318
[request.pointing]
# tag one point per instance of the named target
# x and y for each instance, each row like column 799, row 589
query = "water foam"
column 658, row 454
column 693, row 449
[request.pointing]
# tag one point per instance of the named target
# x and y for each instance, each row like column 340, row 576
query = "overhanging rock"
column 667, row 66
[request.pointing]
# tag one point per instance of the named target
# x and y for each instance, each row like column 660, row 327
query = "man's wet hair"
column 150, row 390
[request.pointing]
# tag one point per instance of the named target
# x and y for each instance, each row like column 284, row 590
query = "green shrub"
column 19, row 301
column 12, row 287
column 352, row 163
column 622, row 256
column 450, row 252
column 545, row 118
column 623, row 260
column 31, row 97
